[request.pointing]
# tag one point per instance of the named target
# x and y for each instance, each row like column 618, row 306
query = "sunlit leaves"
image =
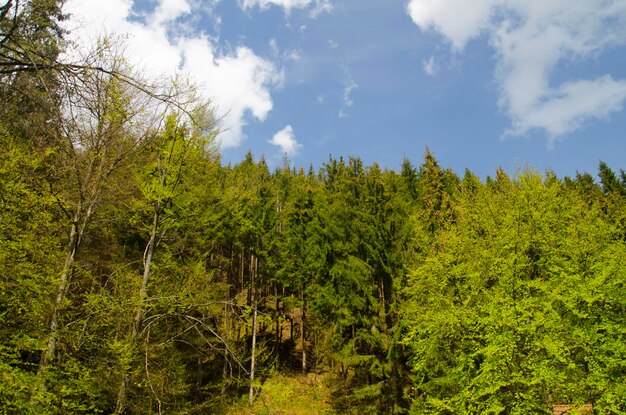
column 503, row 308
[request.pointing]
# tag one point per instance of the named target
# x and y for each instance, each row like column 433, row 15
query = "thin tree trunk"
column 282, row 311
column 143, row 291
column 78, row 225
column 227, row 334
column 254, row 318
column 383, row 306
column 50, row 351
column 278, row 333
column 252, row 360
column 89, row 191
column 291, row 316
column 302, row 337
column 241, row 272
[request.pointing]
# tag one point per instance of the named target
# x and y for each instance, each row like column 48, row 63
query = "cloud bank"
column 530, row 39
column 238, row 81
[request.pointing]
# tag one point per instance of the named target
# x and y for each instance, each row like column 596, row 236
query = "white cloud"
column 237, row 81
column 293, row 55
column 316, row 6
column 571, row 105
column 458, row 20
column 530, row 38
column 170, row 10
column 347, row 101
column 430, row 67
column 286, row 140
column 284, row 56
column 347, row 92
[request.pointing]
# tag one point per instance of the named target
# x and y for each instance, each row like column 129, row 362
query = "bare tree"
column 103, row 122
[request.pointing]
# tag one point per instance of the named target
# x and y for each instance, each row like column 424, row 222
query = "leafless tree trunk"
column 302, row 333
column 255, row 304
column 102, row 123
column 252, row 360
column 143, row 291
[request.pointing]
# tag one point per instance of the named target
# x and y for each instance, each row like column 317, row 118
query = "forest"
column 141, row 275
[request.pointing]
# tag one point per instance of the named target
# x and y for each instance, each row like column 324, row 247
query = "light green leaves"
column 501, row 311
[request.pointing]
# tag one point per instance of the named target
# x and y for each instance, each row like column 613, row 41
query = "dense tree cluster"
column 139, row 274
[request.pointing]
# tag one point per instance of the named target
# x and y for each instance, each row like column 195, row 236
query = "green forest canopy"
column 138, row 274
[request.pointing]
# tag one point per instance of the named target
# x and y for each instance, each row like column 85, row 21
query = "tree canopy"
column 139, row 274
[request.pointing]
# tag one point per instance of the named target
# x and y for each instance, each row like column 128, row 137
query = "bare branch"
column 191, row 318
column 4, row 11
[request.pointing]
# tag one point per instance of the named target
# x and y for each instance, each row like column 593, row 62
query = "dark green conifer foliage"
column 437, row 188
column 610, row 182
column 409, row 176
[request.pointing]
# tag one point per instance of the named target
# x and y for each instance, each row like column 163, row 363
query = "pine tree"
column 437, row 188
column 610, row 182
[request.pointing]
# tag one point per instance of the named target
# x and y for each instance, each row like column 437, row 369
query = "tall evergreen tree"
column 610, row 182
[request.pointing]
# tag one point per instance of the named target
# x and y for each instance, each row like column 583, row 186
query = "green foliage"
column 513, row 302
column 133, row 265
column 610, row 181
column 494, row 318
column 28, row 229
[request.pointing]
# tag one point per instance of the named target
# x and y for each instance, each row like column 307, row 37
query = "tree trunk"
column 252, row 360
column 278, row 331
column 143, row 291
column 254, row 294
column 227, row 333
column 79, row 222
column 302, row 326
column 50, row 351
column 383, row 306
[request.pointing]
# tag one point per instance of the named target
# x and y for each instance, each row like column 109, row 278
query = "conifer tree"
column 610, row 182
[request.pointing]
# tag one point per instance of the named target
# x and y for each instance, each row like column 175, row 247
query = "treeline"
column 139, row 274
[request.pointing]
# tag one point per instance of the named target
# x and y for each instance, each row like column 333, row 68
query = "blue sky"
column 482, row 83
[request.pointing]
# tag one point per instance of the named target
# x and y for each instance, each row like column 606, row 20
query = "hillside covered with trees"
column 141, row 275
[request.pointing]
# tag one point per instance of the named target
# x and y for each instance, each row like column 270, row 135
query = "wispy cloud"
column 347, row 92
column 316, row 7
column 238, row 81
column 286, row 140
column 530, row 38
column 347, row 101
column 274, row 46
column 283, row 55
column 429, row 66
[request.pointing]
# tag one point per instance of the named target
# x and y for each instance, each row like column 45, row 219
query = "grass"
column 287, row 395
